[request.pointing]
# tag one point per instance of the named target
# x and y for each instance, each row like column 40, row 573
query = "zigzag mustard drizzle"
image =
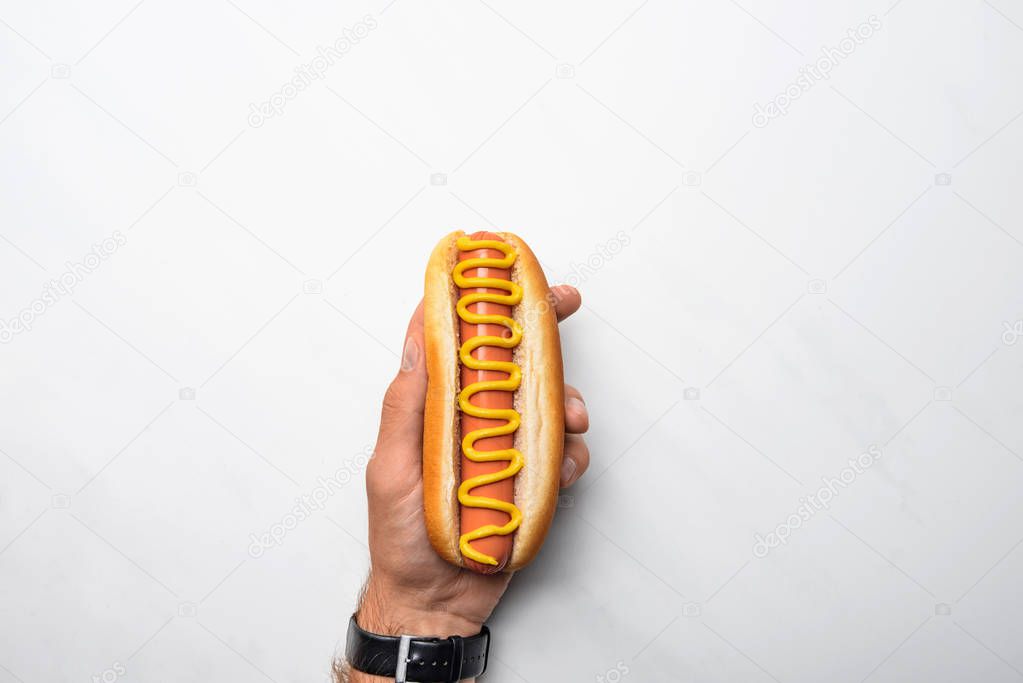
column 513, row 456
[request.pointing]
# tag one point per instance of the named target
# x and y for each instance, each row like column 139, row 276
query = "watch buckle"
column 401, row 666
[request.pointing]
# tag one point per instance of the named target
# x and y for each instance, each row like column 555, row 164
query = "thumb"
column 401, row 418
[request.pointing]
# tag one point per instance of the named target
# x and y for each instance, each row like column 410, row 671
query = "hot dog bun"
column 539, row 400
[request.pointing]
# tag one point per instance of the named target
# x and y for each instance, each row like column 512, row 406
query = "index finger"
column 567, row 300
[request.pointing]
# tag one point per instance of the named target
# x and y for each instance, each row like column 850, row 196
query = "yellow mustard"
column 513, row 456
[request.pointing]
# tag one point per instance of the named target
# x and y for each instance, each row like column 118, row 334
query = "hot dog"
column 494, row 420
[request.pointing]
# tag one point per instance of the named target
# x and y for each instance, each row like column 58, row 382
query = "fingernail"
column 410, row 356
column 568, row 466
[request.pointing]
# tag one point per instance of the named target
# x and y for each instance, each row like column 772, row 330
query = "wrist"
column 391, row 611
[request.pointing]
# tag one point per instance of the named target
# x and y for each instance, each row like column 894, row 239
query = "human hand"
column 410, row 588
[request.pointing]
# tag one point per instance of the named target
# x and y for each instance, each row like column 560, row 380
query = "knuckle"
column 394, row 402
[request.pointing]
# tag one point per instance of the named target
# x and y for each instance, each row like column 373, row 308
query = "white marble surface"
column 782, row 298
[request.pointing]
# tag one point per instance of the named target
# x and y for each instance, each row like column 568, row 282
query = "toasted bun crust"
column 539, row 400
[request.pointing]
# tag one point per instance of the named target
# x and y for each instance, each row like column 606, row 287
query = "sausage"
column 498, row 547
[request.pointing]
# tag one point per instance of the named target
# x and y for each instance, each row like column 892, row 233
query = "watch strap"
column 426, row 660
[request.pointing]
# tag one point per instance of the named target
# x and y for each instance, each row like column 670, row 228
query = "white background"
column 815, row 284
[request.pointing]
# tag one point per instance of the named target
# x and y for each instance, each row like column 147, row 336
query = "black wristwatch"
column 423, row 660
